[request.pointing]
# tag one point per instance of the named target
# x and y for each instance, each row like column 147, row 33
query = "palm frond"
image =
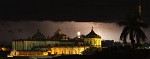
column 133, row 26
column 124, row 33
column 122, row 23
column 137, row 38
column 142, row 25
column 140, row 33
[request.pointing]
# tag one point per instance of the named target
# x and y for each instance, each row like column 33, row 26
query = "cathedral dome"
column 92, row 34
column 38, row 36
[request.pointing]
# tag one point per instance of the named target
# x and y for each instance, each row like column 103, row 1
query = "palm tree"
column 133, row 29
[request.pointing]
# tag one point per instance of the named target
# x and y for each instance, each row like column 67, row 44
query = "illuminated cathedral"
column 58, row 44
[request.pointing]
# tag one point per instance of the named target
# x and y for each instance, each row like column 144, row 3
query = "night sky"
column 22, row 18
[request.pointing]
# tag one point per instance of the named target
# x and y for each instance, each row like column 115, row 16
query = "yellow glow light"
column 45, row 53
column 3, row 49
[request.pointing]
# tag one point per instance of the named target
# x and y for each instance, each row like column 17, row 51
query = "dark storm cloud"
column 19, row 30
column 69, row 10
column 10, row 31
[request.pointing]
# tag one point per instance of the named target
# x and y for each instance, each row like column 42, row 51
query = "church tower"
column 92, row 39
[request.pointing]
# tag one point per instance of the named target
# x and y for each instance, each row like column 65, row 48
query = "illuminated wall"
column 54, row 50
column 93, row 41
column 67, row 49
column 27, row 53
column 28, row 45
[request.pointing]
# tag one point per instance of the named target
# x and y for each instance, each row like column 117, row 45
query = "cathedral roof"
column 58, row 32
column 92, row 34
column 58, row 35
column 38, row 36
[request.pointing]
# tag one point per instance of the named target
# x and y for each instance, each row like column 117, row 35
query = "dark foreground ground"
column 100, row 57
column 113, row 54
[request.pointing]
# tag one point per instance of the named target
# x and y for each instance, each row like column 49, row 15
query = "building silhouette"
column 59, row 44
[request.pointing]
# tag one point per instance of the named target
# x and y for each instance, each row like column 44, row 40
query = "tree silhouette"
column 134, row 28
column 91, row 51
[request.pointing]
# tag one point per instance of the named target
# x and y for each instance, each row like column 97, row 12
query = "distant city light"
column 3, row 49
column 45, row 53
column 78, row 33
